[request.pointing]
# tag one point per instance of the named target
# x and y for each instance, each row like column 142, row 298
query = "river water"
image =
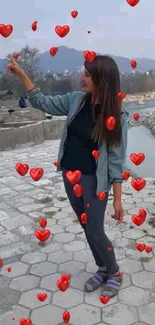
column 141, row 140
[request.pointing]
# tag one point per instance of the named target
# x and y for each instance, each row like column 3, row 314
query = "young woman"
column 85, row 131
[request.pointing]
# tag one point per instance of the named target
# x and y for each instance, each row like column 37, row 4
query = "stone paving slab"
column 35, row 266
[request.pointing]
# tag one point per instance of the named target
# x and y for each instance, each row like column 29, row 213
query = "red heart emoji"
column 148, row 249
column 96, row 154
column 84, row 218
column 133, row 64
column 140, row 247
column 73, row 177
column 22, row 169
column 104, row 299
column 41, row 296
column 101, row 195
column 109, row 249
column 6, row 30
column 43, row 223
column 138, row 220
column 56, row 163
column 16, row 56
column 66, row 316
column 142, row 213
column 62, row 31
column 121, row 95
column 137, row 159
column 34, row 26
column 62, row 285
column 132, row 3
column 53, row 50
column 1, row 263
column 36, row 173
column 136, row 116
column 138, row 184
column 24, row 321
column 89, row 31
column 125, row 175
column 42, row 235
column 74, row 13
column 89, row 56
column 65, row 277
column 78, row 190
column 110, row 123
column 9, row 269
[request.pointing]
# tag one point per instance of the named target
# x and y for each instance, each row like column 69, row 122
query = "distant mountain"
column 71, row 59
column 145, row 64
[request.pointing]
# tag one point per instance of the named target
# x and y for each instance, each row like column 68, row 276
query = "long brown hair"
column 106, row 77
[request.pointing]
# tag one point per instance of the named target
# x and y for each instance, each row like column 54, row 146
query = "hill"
column 71, row 59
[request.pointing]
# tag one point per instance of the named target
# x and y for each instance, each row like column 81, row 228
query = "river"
column 142, row 108
column 141, row 140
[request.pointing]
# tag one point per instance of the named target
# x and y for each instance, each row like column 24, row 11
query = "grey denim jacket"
column 111, row 162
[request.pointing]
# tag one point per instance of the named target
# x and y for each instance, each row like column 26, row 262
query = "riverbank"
column 145, row 142
column 134, row 103
column 147, row 120
column 140, row 97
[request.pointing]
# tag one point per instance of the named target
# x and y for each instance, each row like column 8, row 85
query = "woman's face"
column 87, row 84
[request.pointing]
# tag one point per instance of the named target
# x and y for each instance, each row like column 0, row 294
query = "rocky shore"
column 147, row 120
column 139, row 97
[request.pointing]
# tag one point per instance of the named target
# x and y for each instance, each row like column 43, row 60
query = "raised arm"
column 55, row 105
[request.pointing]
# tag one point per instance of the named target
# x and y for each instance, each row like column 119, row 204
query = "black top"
column 79, row 145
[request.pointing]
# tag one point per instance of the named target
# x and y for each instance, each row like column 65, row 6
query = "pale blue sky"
column 116, row 27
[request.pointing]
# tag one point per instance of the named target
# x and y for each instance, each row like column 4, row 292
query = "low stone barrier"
column 30, row 134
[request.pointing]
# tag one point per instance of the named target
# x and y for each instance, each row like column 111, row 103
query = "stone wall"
column 30, row 134
column 26, row 126
column 41, row 129
column 21, row 115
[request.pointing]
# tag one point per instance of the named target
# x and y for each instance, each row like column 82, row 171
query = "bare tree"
column 28, row 59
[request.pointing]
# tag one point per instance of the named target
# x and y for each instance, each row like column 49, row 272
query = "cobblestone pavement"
column 36, row 266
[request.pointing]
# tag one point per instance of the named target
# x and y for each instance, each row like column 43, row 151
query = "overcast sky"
column 116, row 28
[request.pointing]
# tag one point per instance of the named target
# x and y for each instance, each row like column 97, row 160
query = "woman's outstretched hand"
column 13, row 67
